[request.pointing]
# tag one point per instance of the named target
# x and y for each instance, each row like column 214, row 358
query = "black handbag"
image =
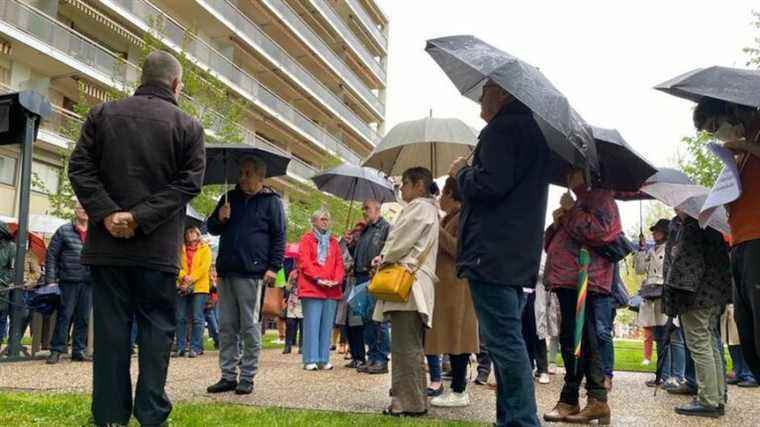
column 616, row 251
column 651, row 292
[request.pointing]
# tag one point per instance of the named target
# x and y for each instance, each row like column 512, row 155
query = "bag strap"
column 423, row 256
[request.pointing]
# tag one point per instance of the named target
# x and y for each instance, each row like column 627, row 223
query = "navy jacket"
column 504, row 201
column 253, row 239
column 63, row 262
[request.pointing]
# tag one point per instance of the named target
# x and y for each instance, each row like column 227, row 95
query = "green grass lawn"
column 37, row 409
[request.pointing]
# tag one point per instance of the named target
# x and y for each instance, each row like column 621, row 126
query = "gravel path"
column 282, row 383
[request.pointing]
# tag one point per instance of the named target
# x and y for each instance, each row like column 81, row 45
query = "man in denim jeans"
column 499, row 250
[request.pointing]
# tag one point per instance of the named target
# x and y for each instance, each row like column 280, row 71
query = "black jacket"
column 504, row 201
column 697, row 269
column 141, row 154
column 369, row 245
column 63, row 262
column 253, row 239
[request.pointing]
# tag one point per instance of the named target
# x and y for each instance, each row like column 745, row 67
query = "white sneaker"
column 645, row 362
column 544, row 379
column 552, row 369
column 311, row 367
column 451, row 400
column 327, row 367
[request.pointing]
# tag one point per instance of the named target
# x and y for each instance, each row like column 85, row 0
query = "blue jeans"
column 500, row 319
column 741, row 369
column 434, row 366
column 318, row 321
column 3, row 325
column 212, row 323
column 674, row 365
column 604, row 314
column 195, row 304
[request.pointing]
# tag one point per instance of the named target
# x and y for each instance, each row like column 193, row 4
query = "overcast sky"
column 605, row 56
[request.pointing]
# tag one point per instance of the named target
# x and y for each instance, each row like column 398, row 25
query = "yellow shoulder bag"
column 393, row 282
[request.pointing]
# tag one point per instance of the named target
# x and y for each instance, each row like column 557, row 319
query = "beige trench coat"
column 455, row 325
column 650, row 263
column 415, row 228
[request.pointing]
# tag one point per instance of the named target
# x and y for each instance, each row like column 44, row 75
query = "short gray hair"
column 320, row 213
column 259, row 166
column 160, row 67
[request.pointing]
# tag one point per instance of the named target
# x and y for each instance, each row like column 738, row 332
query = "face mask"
column 728, row 132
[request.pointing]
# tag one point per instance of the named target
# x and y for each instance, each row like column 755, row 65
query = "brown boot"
column 594, row 410
column 561, row 412
column 608, row 383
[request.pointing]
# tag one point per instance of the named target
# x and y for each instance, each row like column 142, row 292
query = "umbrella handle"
column 351, row 202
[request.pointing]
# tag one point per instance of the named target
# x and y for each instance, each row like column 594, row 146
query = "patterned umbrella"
column 584, row 259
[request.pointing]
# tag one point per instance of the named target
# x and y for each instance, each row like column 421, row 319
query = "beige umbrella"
column 430, row 142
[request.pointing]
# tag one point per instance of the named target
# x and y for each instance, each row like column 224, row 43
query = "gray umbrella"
column 351, row 182
column 222, row 162
column 470, row 63
column 727, row 84
column 194, row 218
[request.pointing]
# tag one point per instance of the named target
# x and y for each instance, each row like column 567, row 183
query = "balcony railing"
column 336, row 21
column 307, row 35
column 248, row 31
column 368, row 23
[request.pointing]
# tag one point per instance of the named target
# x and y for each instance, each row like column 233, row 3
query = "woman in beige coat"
column 455, row 326
column 412, row 242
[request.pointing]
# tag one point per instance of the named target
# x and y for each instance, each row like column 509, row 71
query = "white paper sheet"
column 727, row 187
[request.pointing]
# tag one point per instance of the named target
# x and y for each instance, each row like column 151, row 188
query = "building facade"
column 310, row 75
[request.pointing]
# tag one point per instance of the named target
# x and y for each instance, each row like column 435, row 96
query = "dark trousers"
column 536, row 348
column 293, row 329
column 746, row 270
column 498, row 308
column 76, row 301
column 604, row 315
column 119, row 293
column 459, row 364
column 484, row 360
column 355, row 335
column 590, row 363
column 378, row 341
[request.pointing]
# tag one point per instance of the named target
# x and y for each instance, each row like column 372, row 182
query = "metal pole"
column 18, row 312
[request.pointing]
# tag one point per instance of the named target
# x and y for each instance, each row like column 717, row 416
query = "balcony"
column 250, row 33
column 324, row 8
column 367, row 22
column 142, row 14
column 302, row 30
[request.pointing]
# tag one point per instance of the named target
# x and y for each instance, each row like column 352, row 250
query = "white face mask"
column 728, row 132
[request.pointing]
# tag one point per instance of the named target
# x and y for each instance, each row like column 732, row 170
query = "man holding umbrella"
column 505, row 196
column 251, row 222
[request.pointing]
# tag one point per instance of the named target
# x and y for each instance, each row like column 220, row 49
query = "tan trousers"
column 408, row 380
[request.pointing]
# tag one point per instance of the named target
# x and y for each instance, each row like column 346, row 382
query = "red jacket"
column 310, row 270
column 593, row 221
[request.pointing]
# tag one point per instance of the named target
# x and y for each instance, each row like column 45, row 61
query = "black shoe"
column 244, row 387
column 363, row 368
column 216, row 345
column 80, row 358
column 653, row 383
column 697, row 409
column 222, row 386
column 434, row 392
column 354, row 364
column 481, row 379
column 748, row 384
column 54, row 358
column 287, row 350
column 732, row 381
column 378, row 368
column 683, row 390
column 192, row 355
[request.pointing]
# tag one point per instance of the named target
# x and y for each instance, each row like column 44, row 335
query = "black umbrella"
column 223, row 162
column 470, row 63
column 726, row 84
column 621, row 168
column 351, row 182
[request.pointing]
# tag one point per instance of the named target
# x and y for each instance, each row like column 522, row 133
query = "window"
column 7, row 170
column 45, row 177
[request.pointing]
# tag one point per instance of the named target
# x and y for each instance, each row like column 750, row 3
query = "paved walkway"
column 282, row 383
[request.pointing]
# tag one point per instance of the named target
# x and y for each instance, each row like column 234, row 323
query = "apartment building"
column 309, row 74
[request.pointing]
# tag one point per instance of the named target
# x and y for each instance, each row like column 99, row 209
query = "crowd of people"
column 489, row 281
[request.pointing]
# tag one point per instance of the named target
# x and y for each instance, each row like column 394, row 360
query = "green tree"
column 699, row 163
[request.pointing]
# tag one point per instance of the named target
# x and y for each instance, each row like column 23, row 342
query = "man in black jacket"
column 251, row 222
column 501, row 232
column 63, row 266
column 137, row 164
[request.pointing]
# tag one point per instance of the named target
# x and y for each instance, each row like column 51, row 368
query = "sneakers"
column 434, row 392
column 192, row 355
column 645, row 362
column 222, row 386
column 54, row 358
column 80, row 358
column 451, row 399
column 244, row 387
column 354, row 364
column 544, row 379
column 552, row 369
column 310, row 367
column 378, row 368
column 481, row 379
column 748, row 384
column 327, row 367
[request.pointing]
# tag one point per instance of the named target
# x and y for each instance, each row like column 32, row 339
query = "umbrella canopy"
column 45, row 224
column 430, row 142
column 726, row 84
column 351, row 182
column 194, row 218
column 470, row 63
column 621, row 168
column 222, row 162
